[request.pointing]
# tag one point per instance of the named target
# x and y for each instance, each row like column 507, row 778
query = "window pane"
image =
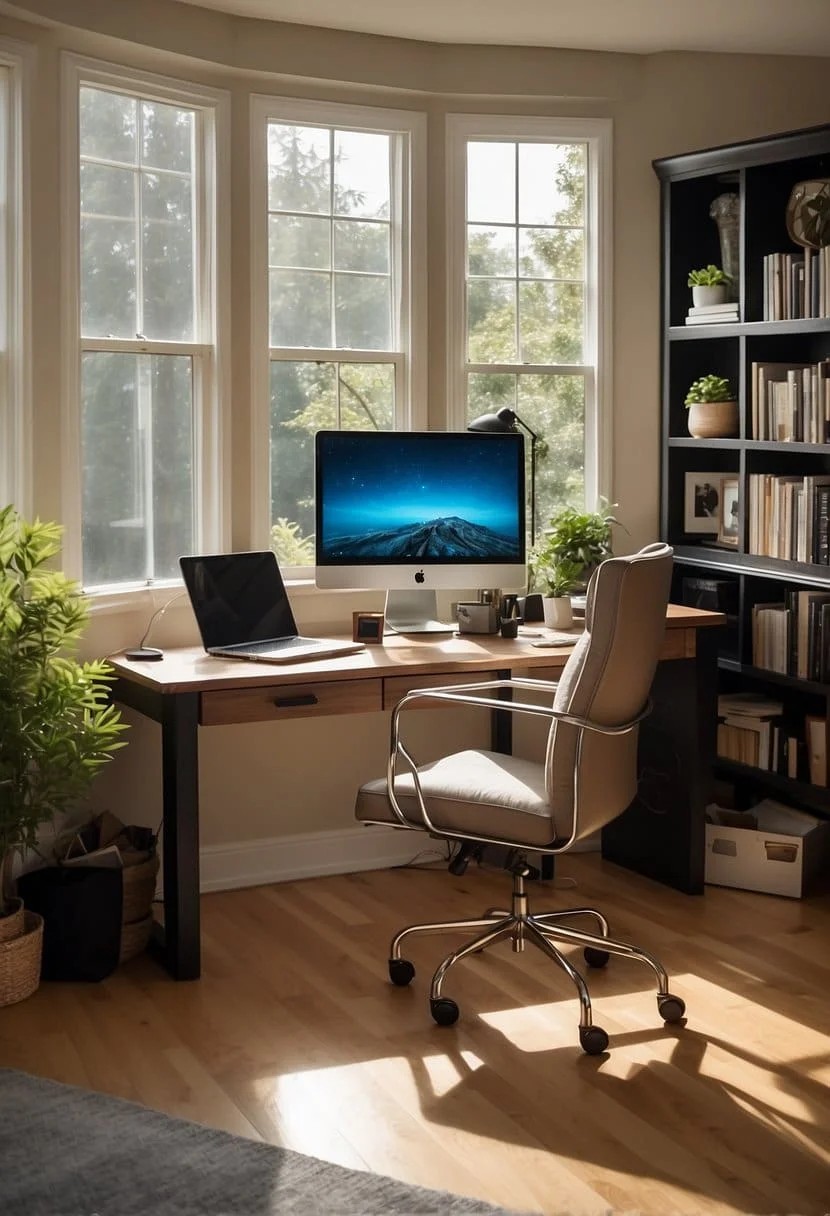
column 166, row 137
column 137, row 443
column 551, row 183
column 299, row 168
column 167, row 257
column 491, row 321
column 108, row 126
column 491, row 250
column 363, row 315
column 554, row 407
column 300, row 308
column 117, row 204
column 491, row 183
column 299, row 241
column 108, row 265
column 551, row 322
column 361, row 174
column 551, row 253
column 360, row 246
column 306, row 398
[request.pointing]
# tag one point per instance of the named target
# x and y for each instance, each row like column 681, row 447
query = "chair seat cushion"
column 480, row 792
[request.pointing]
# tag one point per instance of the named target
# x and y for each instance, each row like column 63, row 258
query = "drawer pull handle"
column 289, row 702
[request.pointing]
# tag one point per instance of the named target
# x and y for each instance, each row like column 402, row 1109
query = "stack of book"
column 748, row 729
column 713, row 314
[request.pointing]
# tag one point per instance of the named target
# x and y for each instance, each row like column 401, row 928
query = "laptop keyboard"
column 274, row 645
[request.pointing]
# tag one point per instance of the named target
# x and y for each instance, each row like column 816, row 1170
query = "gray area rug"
column 65, row 1151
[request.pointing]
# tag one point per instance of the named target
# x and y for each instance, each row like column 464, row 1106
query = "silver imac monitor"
column 413, row 512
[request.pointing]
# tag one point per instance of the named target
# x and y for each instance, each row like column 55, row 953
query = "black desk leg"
column 178, row 941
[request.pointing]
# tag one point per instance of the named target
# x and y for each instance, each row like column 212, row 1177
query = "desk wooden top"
column 189, row 669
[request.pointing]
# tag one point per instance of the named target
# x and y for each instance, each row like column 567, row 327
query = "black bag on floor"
column 81, row 908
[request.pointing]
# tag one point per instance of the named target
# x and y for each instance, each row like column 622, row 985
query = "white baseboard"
column 255, row 863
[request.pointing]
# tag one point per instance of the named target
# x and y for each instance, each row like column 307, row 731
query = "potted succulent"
column 713, row 409
column 57, row 727
column 709, row 285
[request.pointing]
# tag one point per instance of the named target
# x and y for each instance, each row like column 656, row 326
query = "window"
column 147, row 300
column 14, row 381
column 529, row 265
column 340, row 223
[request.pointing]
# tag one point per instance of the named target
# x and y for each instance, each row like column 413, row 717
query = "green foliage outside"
column 709, row 388
column 57, row 727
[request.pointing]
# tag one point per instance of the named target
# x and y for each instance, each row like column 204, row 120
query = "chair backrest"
column 592, row 777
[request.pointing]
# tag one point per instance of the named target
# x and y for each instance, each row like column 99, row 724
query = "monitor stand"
column 414, row 612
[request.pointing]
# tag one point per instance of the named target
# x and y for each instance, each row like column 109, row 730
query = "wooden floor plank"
column 295, row 1035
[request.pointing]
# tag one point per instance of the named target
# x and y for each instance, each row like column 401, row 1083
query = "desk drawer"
column 396, row 687
column 277, row 701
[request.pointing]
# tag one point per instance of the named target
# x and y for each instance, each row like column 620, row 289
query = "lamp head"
column 503, row 421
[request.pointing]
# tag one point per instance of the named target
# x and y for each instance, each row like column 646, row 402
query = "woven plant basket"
column 12, row 925
column 139, row 889
column 134, row 938
column 20, row 961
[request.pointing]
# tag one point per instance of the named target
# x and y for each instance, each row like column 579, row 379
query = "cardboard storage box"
column 771, row 848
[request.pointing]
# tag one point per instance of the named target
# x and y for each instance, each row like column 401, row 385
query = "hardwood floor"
column 294, row 1034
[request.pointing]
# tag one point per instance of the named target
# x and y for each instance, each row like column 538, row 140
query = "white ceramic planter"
column 704, row 296
column 558, row 612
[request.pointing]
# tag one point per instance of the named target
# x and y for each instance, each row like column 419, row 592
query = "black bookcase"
column 762, row 174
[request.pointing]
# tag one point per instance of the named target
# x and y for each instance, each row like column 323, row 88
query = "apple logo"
column 420, row 576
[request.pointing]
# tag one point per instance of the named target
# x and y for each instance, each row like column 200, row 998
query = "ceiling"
column 777, row 27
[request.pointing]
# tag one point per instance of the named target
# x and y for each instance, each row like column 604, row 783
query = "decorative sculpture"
column 725, row 211
column 808, row 213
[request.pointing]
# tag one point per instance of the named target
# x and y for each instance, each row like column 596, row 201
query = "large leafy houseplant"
column 57, row 727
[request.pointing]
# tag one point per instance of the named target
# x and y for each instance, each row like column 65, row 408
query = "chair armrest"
column 471, row 695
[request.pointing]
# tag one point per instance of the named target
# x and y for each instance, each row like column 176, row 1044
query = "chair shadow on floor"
column 666, row 1119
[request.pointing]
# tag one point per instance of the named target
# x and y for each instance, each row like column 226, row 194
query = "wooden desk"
column 189, row 689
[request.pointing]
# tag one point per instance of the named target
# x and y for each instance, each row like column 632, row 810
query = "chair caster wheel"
column 593, row 1040
column 444, row 1011
column 596, row 958
column 401, row 972
column 671, row 1007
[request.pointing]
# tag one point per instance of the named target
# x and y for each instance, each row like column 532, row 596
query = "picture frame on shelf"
column 729, row 512
column 701, row 505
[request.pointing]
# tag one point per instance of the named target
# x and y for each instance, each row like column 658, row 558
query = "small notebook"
column 242, row 610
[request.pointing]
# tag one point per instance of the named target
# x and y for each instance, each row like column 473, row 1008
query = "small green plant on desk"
column 581, row 538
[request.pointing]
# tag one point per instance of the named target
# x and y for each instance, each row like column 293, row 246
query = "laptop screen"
column 237, row 598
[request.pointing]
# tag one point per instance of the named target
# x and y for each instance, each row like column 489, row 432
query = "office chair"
column 587, row 778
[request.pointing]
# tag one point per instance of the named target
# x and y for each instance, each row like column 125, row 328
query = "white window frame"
column 210, row 352
column 16, row 61
column 409, row 275
column 597, row 369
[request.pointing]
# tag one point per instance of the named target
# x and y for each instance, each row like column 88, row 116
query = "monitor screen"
column 419, row 509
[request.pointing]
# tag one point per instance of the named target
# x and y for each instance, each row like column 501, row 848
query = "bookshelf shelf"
column 780, row 371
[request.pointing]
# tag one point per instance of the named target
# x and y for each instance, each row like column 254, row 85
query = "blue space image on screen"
column 439, row 497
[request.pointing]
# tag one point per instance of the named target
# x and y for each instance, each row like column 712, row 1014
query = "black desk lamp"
column 503, row 422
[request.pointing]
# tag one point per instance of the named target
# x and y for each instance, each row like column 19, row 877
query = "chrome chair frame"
column 519, row 925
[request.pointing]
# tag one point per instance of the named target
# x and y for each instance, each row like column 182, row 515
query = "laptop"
column 242, row 610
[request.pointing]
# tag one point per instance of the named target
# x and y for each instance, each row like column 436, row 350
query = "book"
column 713, row 309
column 712, row 319
column 748, row 704
column 815, row 730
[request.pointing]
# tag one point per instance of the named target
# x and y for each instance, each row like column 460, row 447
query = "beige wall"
column 260, row 782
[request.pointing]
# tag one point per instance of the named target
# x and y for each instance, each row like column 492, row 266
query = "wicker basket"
column 20, row 961
column 139, row 889
column 12, row 925
column 134, row 938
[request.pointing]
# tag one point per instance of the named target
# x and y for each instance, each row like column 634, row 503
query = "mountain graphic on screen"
column 437, row 538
